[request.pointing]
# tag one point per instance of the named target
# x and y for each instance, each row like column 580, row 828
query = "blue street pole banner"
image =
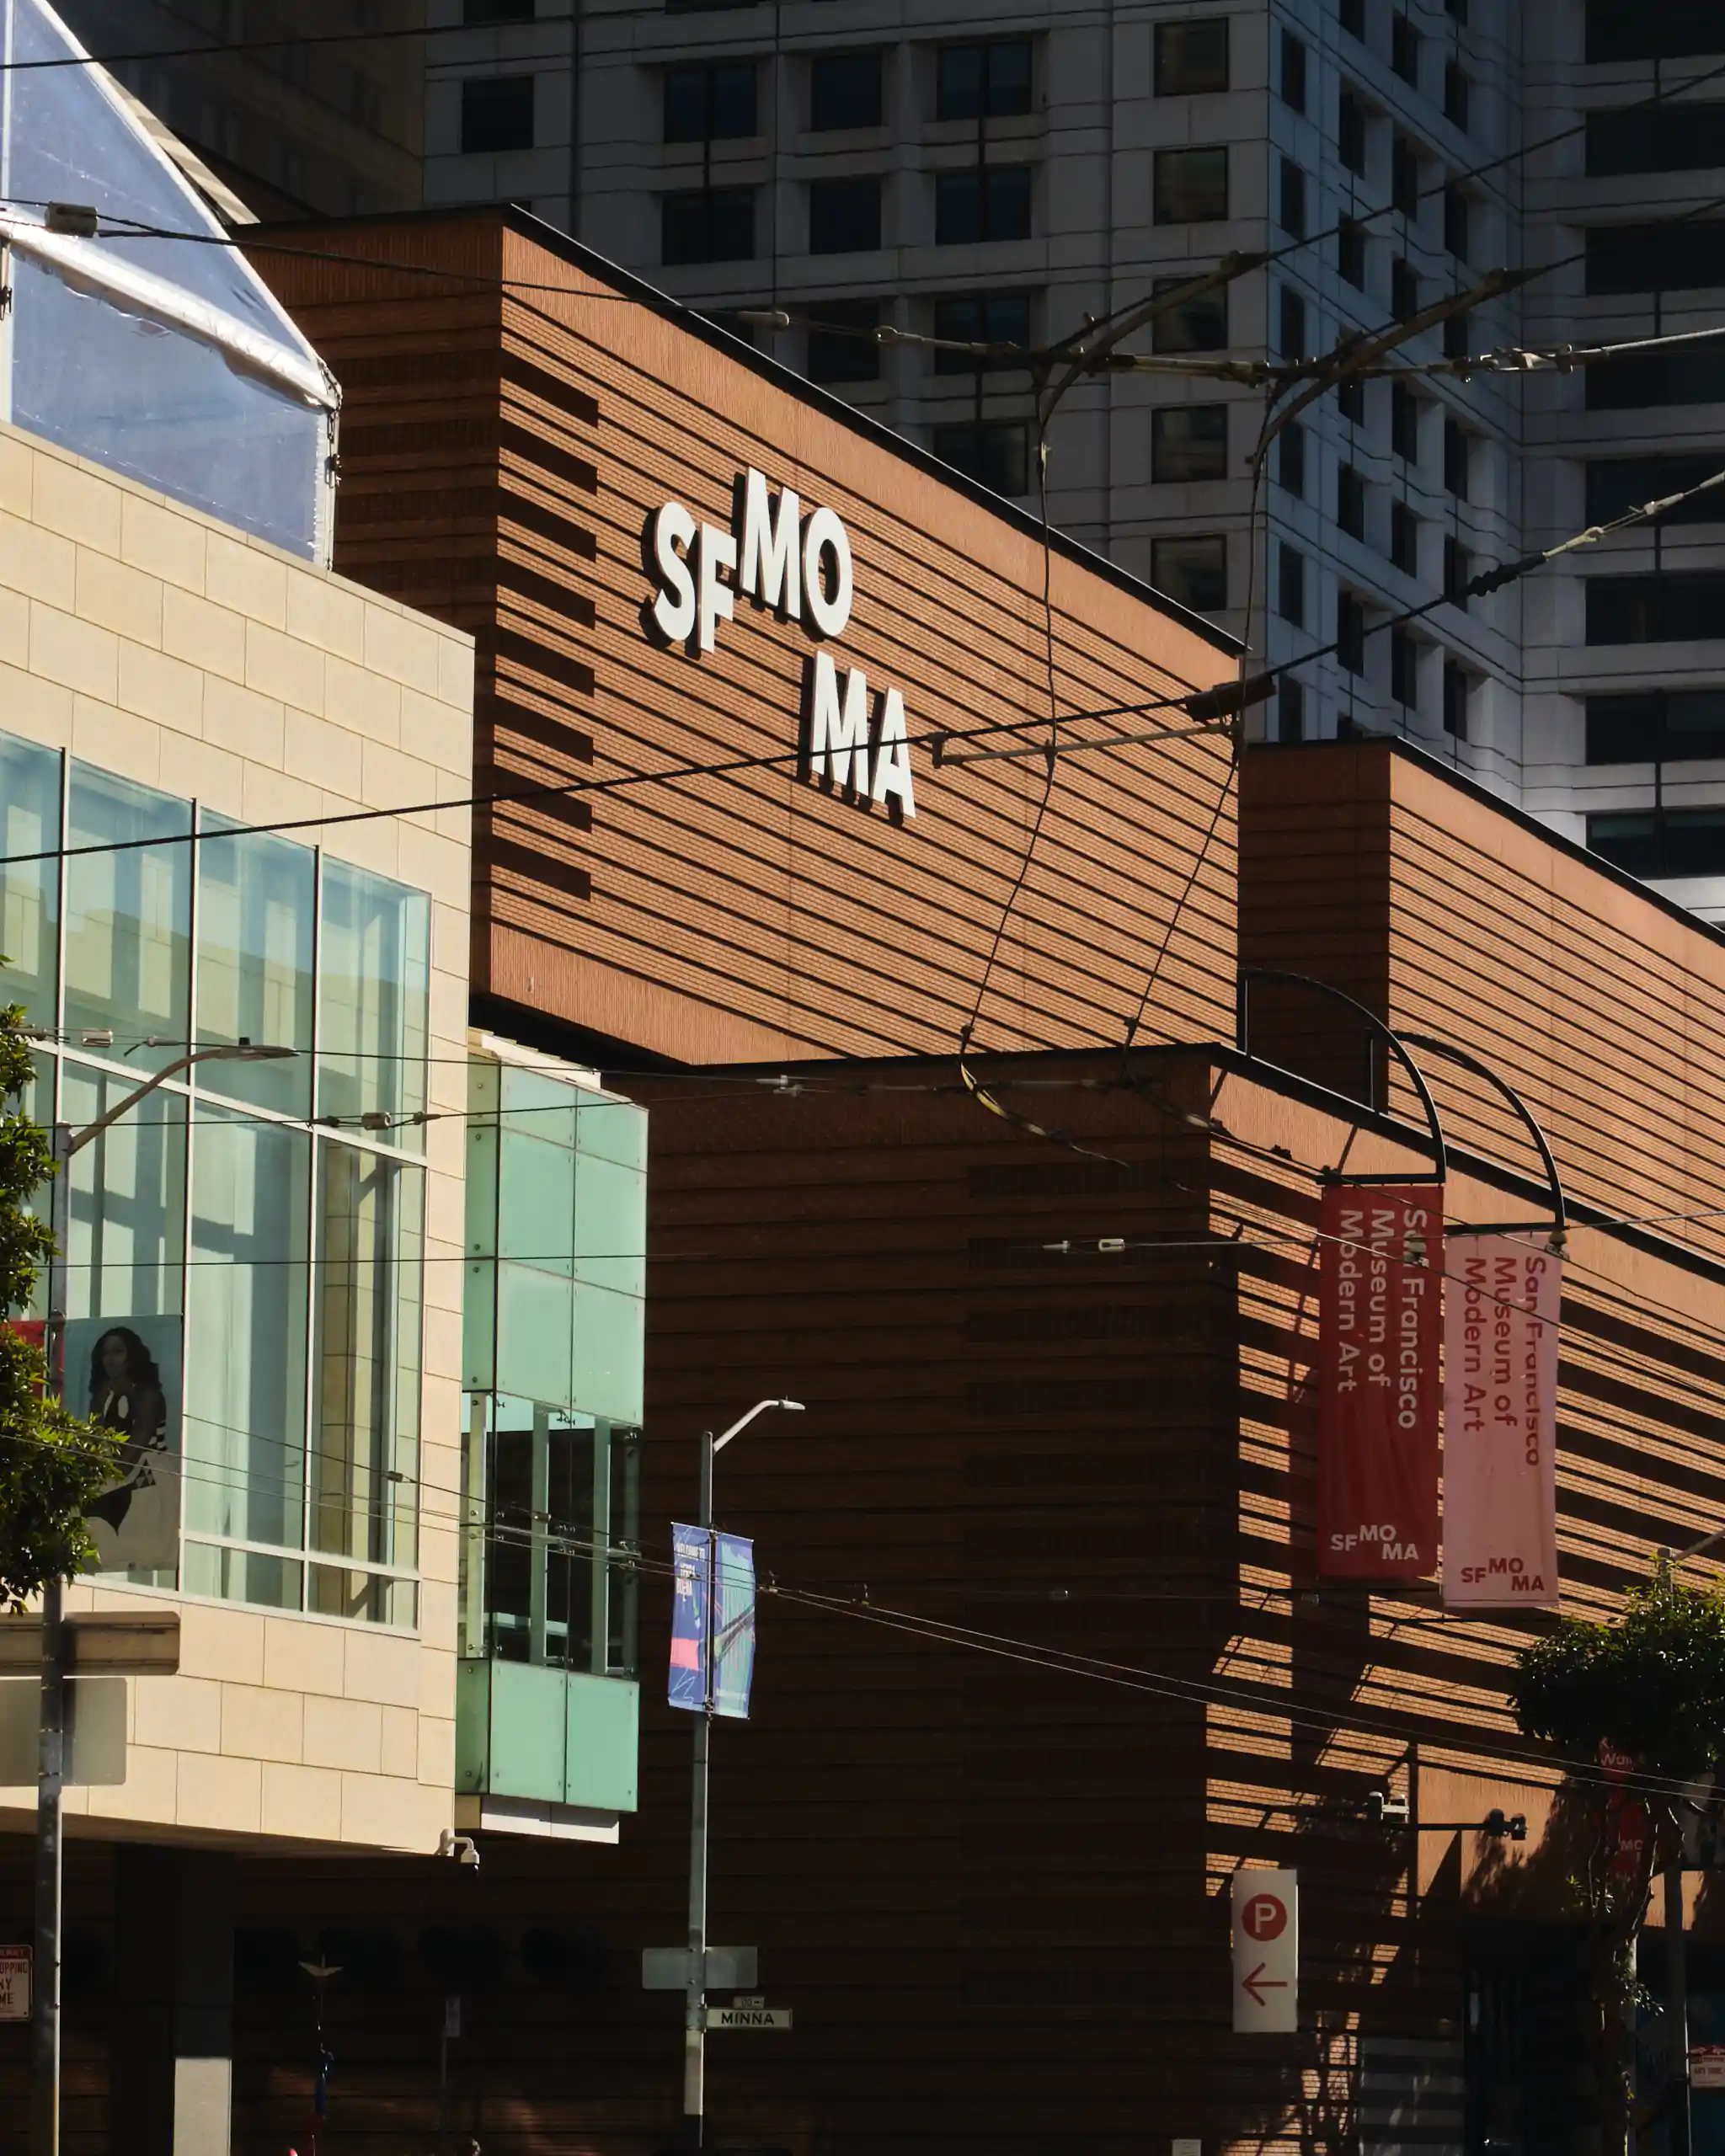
column 690, row 1618
column 734, row 1625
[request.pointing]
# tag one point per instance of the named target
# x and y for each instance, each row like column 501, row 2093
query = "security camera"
column 458, row 1845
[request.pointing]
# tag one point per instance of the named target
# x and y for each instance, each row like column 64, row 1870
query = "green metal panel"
column 536, row 1201
column 527, row 1719
column 535, row 1319
column 610, row 1352
column 472, row 1726
column 601, row 1760
column 614, row 1130
column 611, row 1226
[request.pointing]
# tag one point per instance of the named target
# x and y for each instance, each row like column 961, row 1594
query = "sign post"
column 1266, row 1910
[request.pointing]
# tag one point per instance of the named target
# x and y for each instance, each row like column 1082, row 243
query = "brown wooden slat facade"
column 502, row 451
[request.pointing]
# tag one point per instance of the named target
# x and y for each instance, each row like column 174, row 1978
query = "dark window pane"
column 1625, row 730
column 1455, row 696
column 1654, row 30
column 1694, row 724
column 1290, row 585
column 1622, row 482
column 1404, row 176
column 1350, row 132
column 1687, row 374
column 1456, row 459
column 1404, row 667
column 1292, row 210
column 1628, row 842
column 704, row 103
column 1350, row 633
column 1351, row 15
column 1350, row 501
column 1350, row 253
column 1456, row 94
column 844, row 349
column 687, row 108
column 1350, row 401
column 981, row 319
column 993, row 204
column 977, row 81
column 1191, row 57
column 497, row 114
column 1292, row 71
column 1197, row 325
column 844, row 216
column 1404, row 539
column 1193, row 572
column 1191, row 186
column 1290, row 710
column 1404, row 48
column 1678, row 608
column 995, row 454
column 844, row 90
column 1458, row 220
column 1290, row 470
column 1681, row 137
column 1404, row 290
column 487, row 14
column 1457, row 569
column 1404, row 421
column 1458, row 335
column 1694, row 842
column 1189, row 441
column 707, row 224
column 1290, row 338
column 1674, row 257
column 733, row 100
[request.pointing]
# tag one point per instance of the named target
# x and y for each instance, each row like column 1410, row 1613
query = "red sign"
column 1379, row 1319
column 1264, row 1917
column 1500, row 1424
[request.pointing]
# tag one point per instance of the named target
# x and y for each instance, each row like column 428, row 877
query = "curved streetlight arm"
column 233, row 1052
column 742, row 1422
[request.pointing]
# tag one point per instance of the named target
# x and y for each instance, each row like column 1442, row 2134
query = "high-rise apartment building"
column 1000, row 174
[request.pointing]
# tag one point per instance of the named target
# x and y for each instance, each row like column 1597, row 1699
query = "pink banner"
column 1500, row 1423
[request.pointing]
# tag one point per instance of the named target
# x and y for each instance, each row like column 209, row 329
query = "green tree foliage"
column 1650, row 1689
column 51, row 1464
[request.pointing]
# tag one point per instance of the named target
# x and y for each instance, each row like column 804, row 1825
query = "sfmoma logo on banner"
column 855, row 738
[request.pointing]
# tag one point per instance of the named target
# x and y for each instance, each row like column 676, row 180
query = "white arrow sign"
column 1266, row 1953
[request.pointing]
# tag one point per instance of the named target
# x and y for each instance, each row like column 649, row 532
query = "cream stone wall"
column 168, row 647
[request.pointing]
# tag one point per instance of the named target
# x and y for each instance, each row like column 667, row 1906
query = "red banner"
column 1500, row 1424
column 1380, row 1320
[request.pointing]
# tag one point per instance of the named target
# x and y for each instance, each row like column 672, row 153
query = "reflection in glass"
column 29, row 898
column 367, row 1372
column 128, row 916
column 245, row 1380
column 128, row 1199
column 375, row 973
column 364, row 1598
column 257, row 898
column 241, row 1575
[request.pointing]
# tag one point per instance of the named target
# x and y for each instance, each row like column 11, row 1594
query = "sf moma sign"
column 798, row 567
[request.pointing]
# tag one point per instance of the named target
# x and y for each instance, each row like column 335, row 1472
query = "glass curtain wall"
column 248, row 1279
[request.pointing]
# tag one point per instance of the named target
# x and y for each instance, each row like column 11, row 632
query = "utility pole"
column 1677, row 2009
column 695, row 1992
column 52, row 1712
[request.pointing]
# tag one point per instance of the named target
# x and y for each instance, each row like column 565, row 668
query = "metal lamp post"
column 695, row 1997
column 50, row 1754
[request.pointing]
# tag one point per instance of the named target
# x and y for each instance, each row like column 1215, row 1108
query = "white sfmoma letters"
column 798, row 569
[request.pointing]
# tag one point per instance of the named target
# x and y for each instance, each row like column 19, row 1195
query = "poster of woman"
column 125, row 1373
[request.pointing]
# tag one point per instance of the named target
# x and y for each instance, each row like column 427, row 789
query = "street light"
column 51, row 1749
column 695, row 1996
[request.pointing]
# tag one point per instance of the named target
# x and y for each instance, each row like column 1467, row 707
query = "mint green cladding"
column 550, row 1736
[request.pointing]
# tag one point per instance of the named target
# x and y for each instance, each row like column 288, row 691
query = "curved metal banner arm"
column 1375, row 1026
column 1469, row 1061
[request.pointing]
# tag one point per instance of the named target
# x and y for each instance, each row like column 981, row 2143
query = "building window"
column 1404, row 668
column 1458, row 213
column 1350, row 253
column 981, row 319
column 1404, row 49
column 1193, row 573
column 1404, row 176
column 1351, row 15
column 844, row 90
column 1350, row 633
column 1404, row 422
column 703, row 104
column 1350, row 502
column 1293, row 72
column 1458, row 333
column 996, row 453
column 1191, row 57
column 842, row 346
column 1678, row 138
column 1678, row 257
column 1291, row 584
column 1404, row 289
column 497, row 115
column 1656, row 843
column 1350, row 133
column 1291, row 467
column 1456, row 10
column 972, row 207
column 1196, row 325
column 1191, row 186
column 1690, row 374
column 1456, row 459
column 1617, row 483
column 983, row 82
column 1457, row 689
column 1290, row 710
column 844, row 216
column 1350, row 401
column 1457, row 569
column 1656, row 726
column 492, row 14
column 1292, row 209
column 1404, row 539
column 1457, row 94
column 706, row 224
column 1671, row 29
column 1290, row 310
column 1188, row 442
column 1676, row 606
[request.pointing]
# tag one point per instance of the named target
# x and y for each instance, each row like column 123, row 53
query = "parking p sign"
column 1266, row 1907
